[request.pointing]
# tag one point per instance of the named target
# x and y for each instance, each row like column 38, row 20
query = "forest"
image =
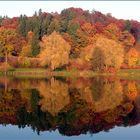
column 73, row 39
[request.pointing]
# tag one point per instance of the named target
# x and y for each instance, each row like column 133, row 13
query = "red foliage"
column 80, row 66
column 99, row 27
column 10, row 23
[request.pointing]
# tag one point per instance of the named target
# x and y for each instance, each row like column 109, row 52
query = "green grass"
column 27, row 72
column 129, row 74
column 43, row 73
column 29, row 69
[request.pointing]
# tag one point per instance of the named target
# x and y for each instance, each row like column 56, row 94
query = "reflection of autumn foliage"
column 132, row 91
column 74, row 107
column 110, row 95
column 79, row 117
column 54, row 96
column 9, row 102
column 101, row 93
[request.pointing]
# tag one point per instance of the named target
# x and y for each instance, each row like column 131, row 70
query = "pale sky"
column 119, row 9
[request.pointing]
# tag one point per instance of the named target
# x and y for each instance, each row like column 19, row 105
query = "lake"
column 58, row 108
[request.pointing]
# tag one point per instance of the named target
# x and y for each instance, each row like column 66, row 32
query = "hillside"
column 73, row 39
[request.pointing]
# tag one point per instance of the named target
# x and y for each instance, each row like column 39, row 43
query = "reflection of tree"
column 82, row 85
column 80, row 108
column 54, row 96
column 76, row 116
column 79, row 116
column 101, row 93
column 109, row 94
column 97, row 88
column 37, row 119
column 131, row 90
column 9, row 102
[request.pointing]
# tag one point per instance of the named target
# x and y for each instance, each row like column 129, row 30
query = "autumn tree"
column 112, row 31
column 107, row 54
column 27, row 48
column 127, row 40
column 5, row 46
column 132, row 57
column 54, row 26
column 85, row 35
column 55, row 51
column 98, row 59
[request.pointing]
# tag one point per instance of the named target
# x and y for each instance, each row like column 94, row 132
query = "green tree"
column 54, row 26
column 128, row 25
column 22, row 25
column 35, row 48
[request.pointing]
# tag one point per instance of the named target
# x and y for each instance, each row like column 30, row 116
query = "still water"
column 69, row 109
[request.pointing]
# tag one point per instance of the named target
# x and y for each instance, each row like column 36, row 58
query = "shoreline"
column 43, row 73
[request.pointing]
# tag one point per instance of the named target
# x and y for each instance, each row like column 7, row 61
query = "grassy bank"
column 129, row 74
column 40, row 72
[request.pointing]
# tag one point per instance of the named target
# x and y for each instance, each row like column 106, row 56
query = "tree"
column 85, row 35
column 98, row 59
column 112, row 31
column 88, row 29
column 127, row 40
column 22, row 25
column 54, row 26
column 132, row 57
column 5, row 46
column 46, row 23
column 128, row 25
column 35, row 48
column 55, row 51
column 26, row 50
column 107, row 54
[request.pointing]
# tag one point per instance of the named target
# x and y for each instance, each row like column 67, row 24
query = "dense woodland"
column 73, row 39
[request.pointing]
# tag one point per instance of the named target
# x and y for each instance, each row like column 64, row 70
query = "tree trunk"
column 6, row 62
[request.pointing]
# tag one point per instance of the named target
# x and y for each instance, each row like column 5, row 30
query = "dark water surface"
column 73, row 109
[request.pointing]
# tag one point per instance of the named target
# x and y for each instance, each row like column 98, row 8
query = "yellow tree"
column 107, row 53
column 132, row 57
column 26, row 49
column 5, row 45
column 54, row 51
column 112, row 31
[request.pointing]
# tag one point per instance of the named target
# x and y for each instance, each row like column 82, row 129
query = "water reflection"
column 72, row 106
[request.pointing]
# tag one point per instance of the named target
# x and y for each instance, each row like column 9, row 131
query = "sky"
column 119, row 9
